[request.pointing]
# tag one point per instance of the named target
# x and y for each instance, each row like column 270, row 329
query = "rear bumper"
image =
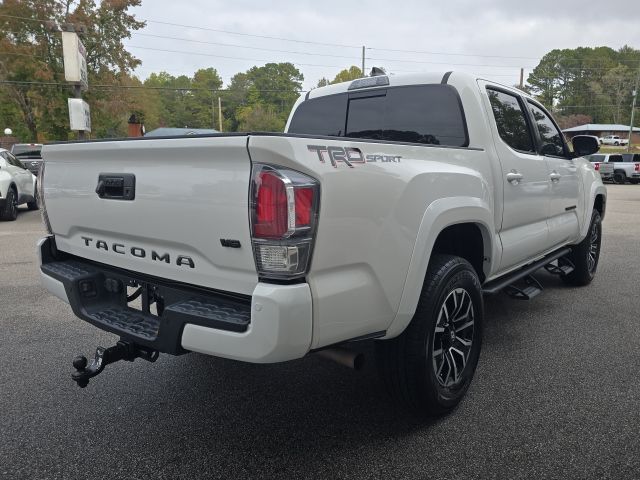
column 273, row 325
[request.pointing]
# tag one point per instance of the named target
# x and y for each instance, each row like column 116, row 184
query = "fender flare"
column 441, row 214
column 596, row 189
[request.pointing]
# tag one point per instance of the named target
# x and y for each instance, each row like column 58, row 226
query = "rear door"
column 524, row 231
column 566, row 199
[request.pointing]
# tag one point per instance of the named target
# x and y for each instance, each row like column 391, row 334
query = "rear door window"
column 616, row 158
column 511, row 121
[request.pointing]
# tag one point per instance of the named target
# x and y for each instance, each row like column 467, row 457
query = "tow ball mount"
column 122, row 350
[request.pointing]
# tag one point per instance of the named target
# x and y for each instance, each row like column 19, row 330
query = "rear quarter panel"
column 369, row 221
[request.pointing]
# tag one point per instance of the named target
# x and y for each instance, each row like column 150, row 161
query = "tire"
column 620, row 178
column 416, row 377
column 586, row 254
column 35, row 205
column 616, row 143
column 634, row 181
column 10, row 210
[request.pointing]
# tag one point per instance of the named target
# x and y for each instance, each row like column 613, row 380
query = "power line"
column 450, row 53
column 144, row 87
column 252, row 34
column 228, row 57
column 242, row 46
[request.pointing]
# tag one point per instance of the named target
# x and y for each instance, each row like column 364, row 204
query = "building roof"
column 601, row 127
column 172, row 132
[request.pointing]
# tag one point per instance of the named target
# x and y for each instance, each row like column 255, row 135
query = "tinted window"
column 429, row 114
column 321, row 116
column 596, row 158
column 631, row 157
column 26, row 150
column 511, row 121
column 550, row 137
column 14, row 161
column 615, row 158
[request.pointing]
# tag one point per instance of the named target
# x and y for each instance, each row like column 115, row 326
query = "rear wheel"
column 586, row 254
column 429, row 367
column 620, row 177
column 634, row 181
column 10, row 210
column 35, row 205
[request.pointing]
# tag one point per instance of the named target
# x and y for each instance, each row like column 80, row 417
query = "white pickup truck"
column 619, row 167
column 613, row 140
column 385, row 211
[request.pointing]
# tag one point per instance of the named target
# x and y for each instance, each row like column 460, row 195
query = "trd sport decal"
column 349, row 155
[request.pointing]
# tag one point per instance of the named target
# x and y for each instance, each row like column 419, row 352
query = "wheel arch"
column 442, row 224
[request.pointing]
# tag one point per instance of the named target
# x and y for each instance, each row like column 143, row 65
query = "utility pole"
column 363, row 74
column 77, row 93
column 633, row 111
column 522, row 79
column 213, row 110
column 220, row 113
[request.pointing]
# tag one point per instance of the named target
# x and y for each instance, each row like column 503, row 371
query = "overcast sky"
column 454, row 34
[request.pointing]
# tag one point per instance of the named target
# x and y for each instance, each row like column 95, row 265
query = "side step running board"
column 529, row 290
column 499, row 284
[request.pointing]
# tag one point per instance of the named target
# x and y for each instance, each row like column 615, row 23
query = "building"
column 603, row 129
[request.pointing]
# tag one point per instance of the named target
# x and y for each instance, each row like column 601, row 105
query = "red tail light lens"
column 284, row 213
column 596, row 166
column 271, row 206
column 304, row 206
column 637, row 167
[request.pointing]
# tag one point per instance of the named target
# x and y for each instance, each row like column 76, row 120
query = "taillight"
column 284, row 215
column 40, row 193
column 596, row 166
column 637, row 168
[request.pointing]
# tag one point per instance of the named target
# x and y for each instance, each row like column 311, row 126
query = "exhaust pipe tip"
column 343, row 356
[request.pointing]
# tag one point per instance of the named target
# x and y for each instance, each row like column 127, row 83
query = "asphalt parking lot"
column 556, row 393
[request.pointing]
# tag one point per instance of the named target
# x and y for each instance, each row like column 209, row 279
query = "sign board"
column 75, row 60
column 79, row 115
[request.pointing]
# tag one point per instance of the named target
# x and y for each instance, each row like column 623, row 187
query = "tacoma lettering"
column 138, row 252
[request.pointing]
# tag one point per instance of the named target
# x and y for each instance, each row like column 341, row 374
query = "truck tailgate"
column 191, row 194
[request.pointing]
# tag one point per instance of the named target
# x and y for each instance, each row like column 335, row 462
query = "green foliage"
column 596, row 82
column 347, row 75
column 32, row 52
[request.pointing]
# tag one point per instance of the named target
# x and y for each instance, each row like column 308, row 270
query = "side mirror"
column 584, row 145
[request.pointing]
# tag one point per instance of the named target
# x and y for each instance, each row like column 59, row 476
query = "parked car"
column 599, row 162
column 635, row 159
column 29, row 154
column 17, row 186
column 385, row 211
column 624, row 167
column 613, row 140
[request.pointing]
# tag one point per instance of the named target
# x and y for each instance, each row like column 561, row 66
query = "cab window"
column 511, row 121
column 551, row 142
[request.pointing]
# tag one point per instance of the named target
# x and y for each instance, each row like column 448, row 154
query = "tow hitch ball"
column 104, row 356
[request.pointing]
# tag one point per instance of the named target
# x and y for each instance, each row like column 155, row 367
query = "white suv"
column 17, row 186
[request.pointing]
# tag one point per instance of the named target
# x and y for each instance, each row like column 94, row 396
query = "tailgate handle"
column 116, row 186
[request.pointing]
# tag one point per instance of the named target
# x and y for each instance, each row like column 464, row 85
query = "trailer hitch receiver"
column 123, row 350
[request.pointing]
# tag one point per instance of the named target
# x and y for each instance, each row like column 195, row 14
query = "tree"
column 273, row 88
column 347, row 75
column 258, row 118
column 32, row 52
